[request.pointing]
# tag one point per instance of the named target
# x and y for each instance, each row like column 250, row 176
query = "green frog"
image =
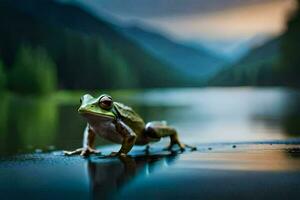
column 120, row 124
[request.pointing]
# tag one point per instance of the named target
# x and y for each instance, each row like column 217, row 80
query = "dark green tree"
column 2, row 76
column 34, row 72
column 290, row 59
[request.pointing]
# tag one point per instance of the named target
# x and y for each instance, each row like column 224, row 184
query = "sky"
column 220, row 23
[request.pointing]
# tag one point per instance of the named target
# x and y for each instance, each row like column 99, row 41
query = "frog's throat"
column 105, row 115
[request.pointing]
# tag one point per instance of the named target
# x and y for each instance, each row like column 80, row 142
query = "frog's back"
column 130, row 117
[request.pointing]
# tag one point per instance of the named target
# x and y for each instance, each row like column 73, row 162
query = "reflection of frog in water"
column 108, row 178
column 120, row 124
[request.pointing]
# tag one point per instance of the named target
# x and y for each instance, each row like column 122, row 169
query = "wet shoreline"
column 248, row 171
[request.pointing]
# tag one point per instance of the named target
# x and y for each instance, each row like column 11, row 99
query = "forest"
column 46, row 46
column 275, row 63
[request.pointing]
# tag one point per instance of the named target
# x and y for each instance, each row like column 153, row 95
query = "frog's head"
column 96, row 108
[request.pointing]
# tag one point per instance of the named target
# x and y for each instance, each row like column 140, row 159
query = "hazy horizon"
column 227, row 26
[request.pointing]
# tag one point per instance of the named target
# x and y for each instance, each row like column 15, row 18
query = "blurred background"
column 219, row 70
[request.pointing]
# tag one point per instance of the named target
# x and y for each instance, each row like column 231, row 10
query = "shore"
column 215, row 171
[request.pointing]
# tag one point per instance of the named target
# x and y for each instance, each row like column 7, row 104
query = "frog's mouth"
column 88, row 113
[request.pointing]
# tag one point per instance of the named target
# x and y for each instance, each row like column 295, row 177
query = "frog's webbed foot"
column 82, row 151
column 171, row 145
column 175, row 141
column 192, row 148
column 182, row 147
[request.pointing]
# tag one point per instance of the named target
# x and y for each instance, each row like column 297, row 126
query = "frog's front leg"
column 88, row 144
column 129, row 138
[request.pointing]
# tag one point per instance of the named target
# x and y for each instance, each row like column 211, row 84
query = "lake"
column 33, row 131
column 200, row 115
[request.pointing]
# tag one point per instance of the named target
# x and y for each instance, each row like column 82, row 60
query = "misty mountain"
column 256, row 68
column 193, row 62
column 232, row 49
column 89, row 52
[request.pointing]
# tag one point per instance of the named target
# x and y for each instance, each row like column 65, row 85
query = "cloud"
column 238, row 22
column 165, row 8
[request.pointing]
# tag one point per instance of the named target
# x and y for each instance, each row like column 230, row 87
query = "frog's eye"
column 105, row 102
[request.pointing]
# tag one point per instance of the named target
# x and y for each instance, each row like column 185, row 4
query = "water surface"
column 200, row 115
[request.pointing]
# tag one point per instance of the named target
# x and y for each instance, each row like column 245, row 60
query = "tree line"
column 71, row 49
column 276, row 63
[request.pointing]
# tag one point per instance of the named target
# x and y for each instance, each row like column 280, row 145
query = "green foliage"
column 2, row 76
column 34, row 72
column 120, row 73
column 4, row 111
column 290, row 59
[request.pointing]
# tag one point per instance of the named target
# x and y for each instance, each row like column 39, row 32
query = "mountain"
column 232, row 49
column 258, row 67
column 193, row 62
column 90, row 53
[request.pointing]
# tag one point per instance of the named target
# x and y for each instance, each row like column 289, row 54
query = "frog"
column 120, row 124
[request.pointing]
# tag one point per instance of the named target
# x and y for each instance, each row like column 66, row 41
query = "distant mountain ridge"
column 89, row 52
column 194, row 62
column 255, row 68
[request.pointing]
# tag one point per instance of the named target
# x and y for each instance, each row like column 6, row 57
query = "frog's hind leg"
column 161, row 129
